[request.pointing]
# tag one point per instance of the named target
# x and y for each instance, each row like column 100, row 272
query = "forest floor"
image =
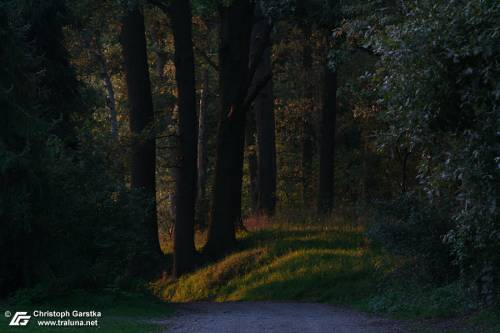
column 283, row 277
column 332, row 266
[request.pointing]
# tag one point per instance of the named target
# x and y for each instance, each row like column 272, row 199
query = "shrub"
column 66, row 219
column 411, row 227
column 438, row 89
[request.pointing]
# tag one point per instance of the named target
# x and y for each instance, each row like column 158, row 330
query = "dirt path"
column 274, row 317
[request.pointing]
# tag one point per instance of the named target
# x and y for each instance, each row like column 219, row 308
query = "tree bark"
column 108, row 86
column 202, row 202
column 143, row 159
column 327, row 142
column 186, row 185
column 159, row 53
column 235, row 31
column 264, row 119
column 307, row 140
column 252, row 160
column 160, row 56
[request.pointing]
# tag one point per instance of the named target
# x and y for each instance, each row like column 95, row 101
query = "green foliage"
column 438, row 87
column 414, row 300
column 412, row 228
column 66, row 219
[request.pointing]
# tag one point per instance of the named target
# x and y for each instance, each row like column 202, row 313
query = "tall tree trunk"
column 160, row 56
column 307, row 140
column 158, row 49
column 327, row 142
column 235, row 31
column 202, row 201
column 143, row 160
column 97, row 57
column 252, row 160
column 108, row 86
column 184, row 249
column 264, row 118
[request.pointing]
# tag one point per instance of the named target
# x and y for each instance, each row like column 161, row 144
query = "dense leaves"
column 437, row 81
column 66, row 220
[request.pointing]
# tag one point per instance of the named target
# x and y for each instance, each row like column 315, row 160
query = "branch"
column 207, row 58
column 255, row 92
column 161, row 5
column 258, row 55
column 167, row 147
column 166, row 9
column 166, row 136
column 365, row 50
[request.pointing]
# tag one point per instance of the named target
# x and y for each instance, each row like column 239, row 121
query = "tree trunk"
column 327, row 142
column 160, row 56
column 143, row 160
column 184, row 249
column 236, row 25
column 264, row 118
column 202, row 202
column 108, row 86
column 158, row 49
column 252, row 160
column 307, row 120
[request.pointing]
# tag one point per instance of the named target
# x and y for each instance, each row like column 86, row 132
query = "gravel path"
column 273, row 317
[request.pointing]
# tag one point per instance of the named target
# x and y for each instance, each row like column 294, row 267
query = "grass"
column 485, row 321
column 410, row 300
column 121, row 313
column 489, row 318
column 316, row 262
column 331, row 263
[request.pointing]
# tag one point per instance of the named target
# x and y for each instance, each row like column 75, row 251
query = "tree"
column 264, row 116
column 252, row 162
column 327, row 141
column 55, row 175
column 327, row 17
column 308, row 135
column 45, row 32
column 235, row 31
column 201, row 201
column 108, row 86
column 444, row 107
column 186, row 184
column 143, row 159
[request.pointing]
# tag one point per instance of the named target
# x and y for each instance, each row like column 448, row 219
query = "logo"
column 20, row 319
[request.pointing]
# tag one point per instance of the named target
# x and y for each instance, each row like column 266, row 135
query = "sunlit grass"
column 328, row 262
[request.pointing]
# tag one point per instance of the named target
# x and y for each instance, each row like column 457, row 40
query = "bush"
column 438, row 90
column 67, row 219
column 413, row 228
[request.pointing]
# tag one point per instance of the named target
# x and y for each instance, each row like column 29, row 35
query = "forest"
column 341, row 153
